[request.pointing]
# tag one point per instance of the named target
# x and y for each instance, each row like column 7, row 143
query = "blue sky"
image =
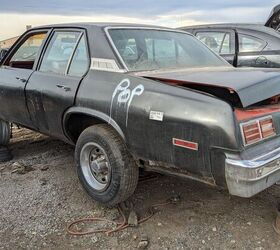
column 125, row 7
column 15, row 14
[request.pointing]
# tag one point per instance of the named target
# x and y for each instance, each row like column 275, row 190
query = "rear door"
column 52, row 88
column 222, row 41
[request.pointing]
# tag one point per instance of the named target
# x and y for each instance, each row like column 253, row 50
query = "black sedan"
column 130, row 96
column 250, row 45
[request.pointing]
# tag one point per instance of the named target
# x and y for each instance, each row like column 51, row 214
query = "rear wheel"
column 5, row 133
column 105, row 168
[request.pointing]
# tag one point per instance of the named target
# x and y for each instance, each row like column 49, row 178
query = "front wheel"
column 105, row 168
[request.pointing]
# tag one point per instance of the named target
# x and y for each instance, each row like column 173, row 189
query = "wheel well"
column 77, row 123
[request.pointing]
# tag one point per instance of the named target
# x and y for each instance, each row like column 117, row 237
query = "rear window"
column 148, row 49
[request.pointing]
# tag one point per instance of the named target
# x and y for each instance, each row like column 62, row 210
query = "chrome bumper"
column 246, row 178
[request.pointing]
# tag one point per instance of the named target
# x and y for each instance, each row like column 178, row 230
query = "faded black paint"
column 188, row 114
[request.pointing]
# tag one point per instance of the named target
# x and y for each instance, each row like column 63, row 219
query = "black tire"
column 124, row 171
column 5, row 133
column 5, row 154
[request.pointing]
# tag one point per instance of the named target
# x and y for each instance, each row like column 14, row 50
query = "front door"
column 53, row 86
column 14, row 75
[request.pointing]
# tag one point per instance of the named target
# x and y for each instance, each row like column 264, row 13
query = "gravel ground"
column 40, row 195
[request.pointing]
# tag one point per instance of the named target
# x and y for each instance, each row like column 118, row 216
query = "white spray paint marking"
column 125, row 95
column 138, row 90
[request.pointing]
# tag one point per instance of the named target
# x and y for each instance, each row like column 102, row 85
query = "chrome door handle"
column 65, row 88
column 21, row 79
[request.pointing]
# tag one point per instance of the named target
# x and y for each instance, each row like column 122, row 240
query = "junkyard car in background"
column 3, row 53
column 273, row 20
column 130, row 96
column 249, row 45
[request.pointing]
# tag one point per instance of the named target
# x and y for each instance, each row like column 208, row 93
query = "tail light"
column 251, row 132
column 267, row 127
column 257, row 130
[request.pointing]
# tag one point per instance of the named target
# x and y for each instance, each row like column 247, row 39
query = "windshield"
column 147, row 49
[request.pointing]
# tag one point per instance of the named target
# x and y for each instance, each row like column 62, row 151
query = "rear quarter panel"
column 187, row 115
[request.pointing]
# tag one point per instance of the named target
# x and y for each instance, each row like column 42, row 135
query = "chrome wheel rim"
column 95, row 166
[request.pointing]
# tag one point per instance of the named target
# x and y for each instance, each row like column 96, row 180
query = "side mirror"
column 3, row 52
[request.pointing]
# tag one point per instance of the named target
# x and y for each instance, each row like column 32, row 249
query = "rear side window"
column 59, row 52
column 250, row 43
column 80, row 61
column 217, row 41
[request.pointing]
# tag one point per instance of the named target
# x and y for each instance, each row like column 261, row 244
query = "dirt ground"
column 40, row 195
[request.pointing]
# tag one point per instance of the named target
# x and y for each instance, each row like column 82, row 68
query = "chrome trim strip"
column 264, row 155
column 105, row 65
column 261, row 161
column 73, row 53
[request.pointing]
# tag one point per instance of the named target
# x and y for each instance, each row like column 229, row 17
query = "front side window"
column 25, row 55
column 160, row 49
column 250, row 43
column 217, row 41
column 59, row 52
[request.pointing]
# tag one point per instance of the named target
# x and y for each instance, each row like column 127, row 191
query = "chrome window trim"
column 111, row 42
column 95, row 65
column 73, row 53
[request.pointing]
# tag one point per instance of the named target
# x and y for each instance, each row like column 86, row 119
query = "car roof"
column 248, row 26
column 99, row 25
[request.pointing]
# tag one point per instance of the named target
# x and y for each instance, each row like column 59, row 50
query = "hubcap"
column 95, row 166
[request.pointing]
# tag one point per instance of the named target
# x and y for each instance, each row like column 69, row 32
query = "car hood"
column 252, row 85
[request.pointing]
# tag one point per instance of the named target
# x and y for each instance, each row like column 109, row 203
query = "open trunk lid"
column 241, row 87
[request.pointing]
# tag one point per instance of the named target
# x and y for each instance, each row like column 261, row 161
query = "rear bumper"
column 246, row 178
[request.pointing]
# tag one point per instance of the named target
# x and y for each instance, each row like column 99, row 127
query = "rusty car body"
column 131, row 96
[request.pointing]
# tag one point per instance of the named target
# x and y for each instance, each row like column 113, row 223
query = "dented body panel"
column 173, row 121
